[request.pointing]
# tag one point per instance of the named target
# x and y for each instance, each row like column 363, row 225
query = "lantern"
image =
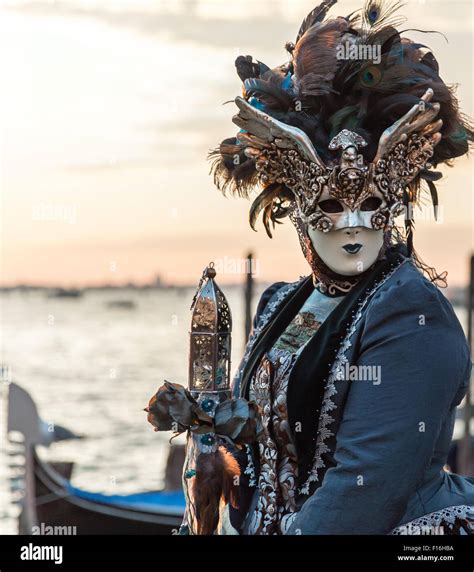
column 210, row 337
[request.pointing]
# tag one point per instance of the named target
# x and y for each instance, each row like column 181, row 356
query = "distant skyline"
column 108, row 110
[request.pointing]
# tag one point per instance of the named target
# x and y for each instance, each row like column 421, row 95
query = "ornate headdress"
column 332, row 123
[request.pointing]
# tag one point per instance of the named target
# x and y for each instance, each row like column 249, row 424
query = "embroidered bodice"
column 276, row 503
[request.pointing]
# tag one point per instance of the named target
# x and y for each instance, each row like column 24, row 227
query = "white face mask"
column 348, row 251
column 350, row 244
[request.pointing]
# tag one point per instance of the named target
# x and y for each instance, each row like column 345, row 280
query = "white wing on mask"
column 419, row 120
column 262, row 130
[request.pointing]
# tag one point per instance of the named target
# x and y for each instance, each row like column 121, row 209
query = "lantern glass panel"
column 223, row 361
column 205, row 313
column 202, row 363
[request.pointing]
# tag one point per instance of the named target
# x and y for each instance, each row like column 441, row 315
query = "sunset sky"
column 108, row 109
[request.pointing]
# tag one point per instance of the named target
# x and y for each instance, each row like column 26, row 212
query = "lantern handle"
column 208, row 272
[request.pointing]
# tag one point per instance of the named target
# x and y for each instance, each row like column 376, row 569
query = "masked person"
column 357, row 369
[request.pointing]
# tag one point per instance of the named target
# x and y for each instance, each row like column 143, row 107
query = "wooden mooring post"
column 249, row 283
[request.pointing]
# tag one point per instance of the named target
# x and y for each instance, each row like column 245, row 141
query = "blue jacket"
column 385, row 449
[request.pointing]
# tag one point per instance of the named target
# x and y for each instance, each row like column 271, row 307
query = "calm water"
column 92, row 369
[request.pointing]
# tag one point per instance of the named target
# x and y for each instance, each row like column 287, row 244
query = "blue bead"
column 207, row 405
column 207, row 439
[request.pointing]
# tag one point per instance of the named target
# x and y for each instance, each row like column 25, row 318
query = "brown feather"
column 215, row 480
column 239, row 179
column 315, row 57
column 316, row 15
column 270, row 201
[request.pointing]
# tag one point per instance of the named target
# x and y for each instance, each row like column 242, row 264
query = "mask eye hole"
column 371, row 204
column 331, row 206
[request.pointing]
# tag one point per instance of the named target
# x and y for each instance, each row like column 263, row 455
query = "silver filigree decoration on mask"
column 285, row 154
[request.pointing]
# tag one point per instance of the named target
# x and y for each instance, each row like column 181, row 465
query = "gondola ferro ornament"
column 216, row 424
